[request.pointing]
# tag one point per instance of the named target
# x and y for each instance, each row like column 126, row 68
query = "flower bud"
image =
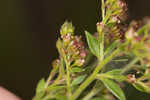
column 66, row 28
column 100, row 27
column 131, row 78
column 79, row 62
column 83, row 53
column 130, row 33
column 123, row 5
column 56, row 63
column 115, row 19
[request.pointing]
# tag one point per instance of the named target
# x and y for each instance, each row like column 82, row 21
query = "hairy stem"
column 101, row 46
column 68, row 81
column 103, row 9
column 51, row 75
column 91, row 94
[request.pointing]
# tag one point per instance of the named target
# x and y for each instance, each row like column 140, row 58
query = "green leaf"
column 116, row 75
column 147, row 75
column 111, row 47
column 77, row 69
column 98, row 98
column 111, row 24
column 61, row 97
column 142, row 29
column 55, row 88
column 120, row 78
column 40, row 86
column 93, row 44
column 39, row 95
column 114, row 88
column 78, row 80
column 141, row 87
column 114, row 72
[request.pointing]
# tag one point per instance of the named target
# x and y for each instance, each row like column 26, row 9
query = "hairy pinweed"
column 88, row 73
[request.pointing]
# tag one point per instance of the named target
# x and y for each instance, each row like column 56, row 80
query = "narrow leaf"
column 142, row 29
column 93, row 44
column 78, row 80
column 77, row 69
column 39, row 95
column 40, row 86
column 56, row 88
column 116, row 75
column 61, row 97
column 111, row 47
column 141, row 87
column 114, row 72
column 98, row 98
column 114, row 88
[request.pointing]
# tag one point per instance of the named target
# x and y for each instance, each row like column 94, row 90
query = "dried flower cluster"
column 71, row 47
column 139, row 38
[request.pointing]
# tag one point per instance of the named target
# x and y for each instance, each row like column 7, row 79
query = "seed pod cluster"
column 72, row 46
column 118, row 9
column 115, row 27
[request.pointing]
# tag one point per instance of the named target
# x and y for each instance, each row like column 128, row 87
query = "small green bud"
column 100, row 27
column 59, row 45
column 66, row 28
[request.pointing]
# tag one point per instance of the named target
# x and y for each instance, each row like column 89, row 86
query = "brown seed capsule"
column 66, row 37
column 130, row 34
column 115, row 19
column 56, row 63
column 83, row 53
column 131, row 78
column 96, row 35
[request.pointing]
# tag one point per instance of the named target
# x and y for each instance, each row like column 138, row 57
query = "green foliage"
column 93, row 44
column 40, row 86
column 40, row 90
column 114, row 88
column 77, row 69
column 98, row 98
column 111, row 47
column 142, row 87
column 115, row 72
column 116, row 75
column 78, row 80
column 67, row 27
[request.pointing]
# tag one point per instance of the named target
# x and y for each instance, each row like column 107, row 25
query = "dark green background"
column 28, row 32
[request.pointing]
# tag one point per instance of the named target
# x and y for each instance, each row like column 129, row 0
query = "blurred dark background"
column 29, row 30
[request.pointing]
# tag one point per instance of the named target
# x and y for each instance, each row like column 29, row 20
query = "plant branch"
column 103, row 9
column 93, row 75
column 51, row 75
column 68, row 80
column 91, row 94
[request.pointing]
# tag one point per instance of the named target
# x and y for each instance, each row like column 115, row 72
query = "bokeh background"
column 29, row 30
